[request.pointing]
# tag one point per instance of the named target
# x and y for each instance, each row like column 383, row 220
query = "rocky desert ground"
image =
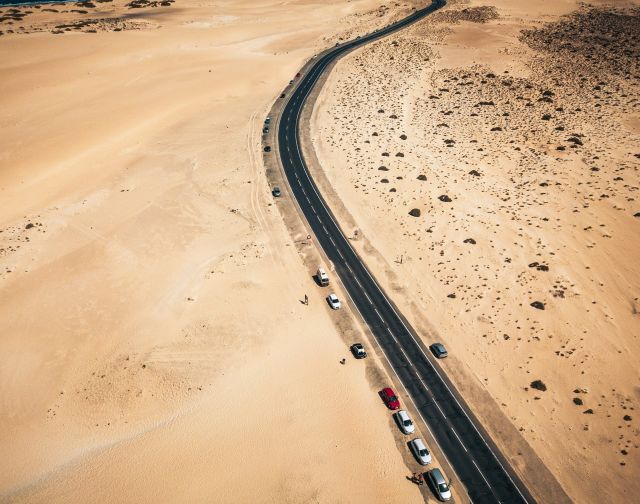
column 489, row 158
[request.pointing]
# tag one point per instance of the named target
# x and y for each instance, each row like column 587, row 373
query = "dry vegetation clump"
column 472, row 14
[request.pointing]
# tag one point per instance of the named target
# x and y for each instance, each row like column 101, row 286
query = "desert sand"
column 489, row 158
column 154, row 346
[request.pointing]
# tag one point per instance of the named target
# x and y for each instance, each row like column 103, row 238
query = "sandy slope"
column 153, row 344
column 520, row 150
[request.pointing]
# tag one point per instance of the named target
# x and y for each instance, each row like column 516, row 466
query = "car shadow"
column 381, row 396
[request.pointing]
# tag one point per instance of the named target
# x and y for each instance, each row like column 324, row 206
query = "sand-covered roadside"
column 154, row 347
column 510, row 131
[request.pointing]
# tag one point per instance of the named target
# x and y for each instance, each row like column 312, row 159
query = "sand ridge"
column 154, row 345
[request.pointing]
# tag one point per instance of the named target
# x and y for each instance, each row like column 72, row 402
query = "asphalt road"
column 479, row 466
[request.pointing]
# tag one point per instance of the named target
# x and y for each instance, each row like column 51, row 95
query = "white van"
column 323, row 278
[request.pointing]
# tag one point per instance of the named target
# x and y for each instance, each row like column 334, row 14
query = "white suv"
column 404, row 422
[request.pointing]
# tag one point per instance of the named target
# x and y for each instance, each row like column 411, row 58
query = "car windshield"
column 393, row 398
column 443, row 487
column 407, row 423
column 424, row 453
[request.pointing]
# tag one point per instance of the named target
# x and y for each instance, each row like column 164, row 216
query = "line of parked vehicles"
column 434, row 477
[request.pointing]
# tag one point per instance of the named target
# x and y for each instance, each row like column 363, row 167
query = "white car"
column 420, row 451
column 334, row 302
column 322, row 277
column 405, row 422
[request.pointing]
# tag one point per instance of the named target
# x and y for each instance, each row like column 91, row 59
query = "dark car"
column 439, row 350
column 358, row 351
column 267, row 148
column 265, row 130
column 298, row 75
column 283, row 95
column 390, row 399
column 276, row 192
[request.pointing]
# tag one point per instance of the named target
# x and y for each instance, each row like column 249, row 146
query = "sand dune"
column 154, row 346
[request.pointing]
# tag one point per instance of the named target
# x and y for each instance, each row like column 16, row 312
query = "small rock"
column 577, row 401
column 627, row 418
column 444, row 198
column 470, row 240
column 538, row 385
column 588, row 411
column 29, row 226
column 422, row 177
column 415, row 212
column 475, row 173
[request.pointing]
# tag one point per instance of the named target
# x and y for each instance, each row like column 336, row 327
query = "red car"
column 390, row 399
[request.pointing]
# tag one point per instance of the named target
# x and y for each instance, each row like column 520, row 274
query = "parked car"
column 358, row 351
column 283, row 95
column 439, row 350
column 298, row 75
column 267, row 148
column 390, row 399
column 276, row 192
column 420, row 451
column 267, row 120
column 323, row 278
column 265, row 130
column 334, row 302
column 404, row 422
column 439, row 485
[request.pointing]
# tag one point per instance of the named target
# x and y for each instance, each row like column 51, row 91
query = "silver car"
column 439, row 484
column 420, row 451
column 404, row 422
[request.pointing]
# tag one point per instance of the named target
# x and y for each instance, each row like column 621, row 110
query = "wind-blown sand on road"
column 154, row 347
column 510, row 132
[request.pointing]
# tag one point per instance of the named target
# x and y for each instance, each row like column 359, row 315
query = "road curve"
column 478, row 464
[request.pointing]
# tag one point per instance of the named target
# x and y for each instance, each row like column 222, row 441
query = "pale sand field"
column 153, row 345
column 527, row 145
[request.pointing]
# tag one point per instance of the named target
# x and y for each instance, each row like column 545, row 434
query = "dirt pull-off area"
column 490, row 157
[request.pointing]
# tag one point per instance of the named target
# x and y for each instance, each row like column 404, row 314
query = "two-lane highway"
column 479, row 466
